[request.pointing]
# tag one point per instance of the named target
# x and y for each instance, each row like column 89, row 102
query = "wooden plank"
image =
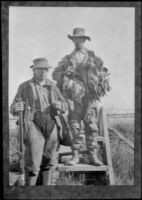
column 118, row 134
column 81, row 167
column 104, row 131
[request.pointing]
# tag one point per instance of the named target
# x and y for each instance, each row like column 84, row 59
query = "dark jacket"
column 25, row 92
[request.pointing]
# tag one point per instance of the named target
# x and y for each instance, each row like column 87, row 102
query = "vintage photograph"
column 71, row 96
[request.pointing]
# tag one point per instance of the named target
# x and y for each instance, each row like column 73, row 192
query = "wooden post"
column 104, row 131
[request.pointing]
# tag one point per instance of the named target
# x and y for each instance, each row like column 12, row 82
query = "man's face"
column 40, row 73
column 79, row 42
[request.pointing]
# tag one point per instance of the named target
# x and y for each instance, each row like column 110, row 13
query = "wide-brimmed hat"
column 40, row 63
column 79, row 32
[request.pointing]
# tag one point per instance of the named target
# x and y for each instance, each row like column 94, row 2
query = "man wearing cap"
column 83, row 80
column 42, row 99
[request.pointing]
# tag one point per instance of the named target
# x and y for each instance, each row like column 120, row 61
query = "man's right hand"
column 19, row 106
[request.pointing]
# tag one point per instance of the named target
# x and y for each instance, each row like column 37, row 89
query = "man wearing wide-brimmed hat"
column 40, row 101
column 83, row 80
column 79, row 33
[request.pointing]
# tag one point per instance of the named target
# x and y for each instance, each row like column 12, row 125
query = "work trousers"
column 36, row 146
column 88, row 112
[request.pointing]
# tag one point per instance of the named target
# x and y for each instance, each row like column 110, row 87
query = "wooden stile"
column 103, row 138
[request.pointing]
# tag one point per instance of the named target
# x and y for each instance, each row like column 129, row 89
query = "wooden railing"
column 124, row 139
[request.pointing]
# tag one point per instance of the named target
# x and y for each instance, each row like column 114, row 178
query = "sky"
column 42, row 32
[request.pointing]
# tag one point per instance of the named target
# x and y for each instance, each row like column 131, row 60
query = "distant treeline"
column 12, row 120
column 123, row 115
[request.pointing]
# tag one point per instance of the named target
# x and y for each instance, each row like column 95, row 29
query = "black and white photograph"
column 71, row 96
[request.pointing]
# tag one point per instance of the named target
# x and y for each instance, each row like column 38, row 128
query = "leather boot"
column 92, row 150
column 46, row 177
column 75, row 158
column 93, row 158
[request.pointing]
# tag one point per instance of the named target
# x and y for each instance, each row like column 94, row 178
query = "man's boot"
column 75, row 158
column 93, row 157
column 92, row 151
column 47, row 177
column 30, row 179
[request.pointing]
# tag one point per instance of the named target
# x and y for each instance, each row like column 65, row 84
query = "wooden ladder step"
column 70, row 153
column 81, row 168
column 98, row 138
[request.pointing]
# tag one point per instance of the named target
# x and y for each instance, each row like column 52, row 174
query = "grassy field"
column 122, row 155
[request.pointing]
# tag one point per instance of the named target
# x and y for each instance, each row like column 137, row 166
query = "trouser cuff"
column 48, row 163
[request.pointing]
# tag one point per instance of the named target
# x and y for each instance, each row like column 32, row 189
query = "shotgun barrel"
column 21, row 179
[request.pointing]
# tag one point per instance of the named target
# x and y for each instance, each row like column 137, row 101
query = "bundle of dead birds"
column 78, row 80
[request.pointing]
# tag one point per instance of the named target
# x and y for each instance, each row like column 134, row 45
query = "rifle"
column 21, row 178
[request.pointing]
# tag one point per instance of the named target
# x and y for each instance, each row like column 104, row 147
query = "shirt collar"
column 47, row 82
column 83, row 50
